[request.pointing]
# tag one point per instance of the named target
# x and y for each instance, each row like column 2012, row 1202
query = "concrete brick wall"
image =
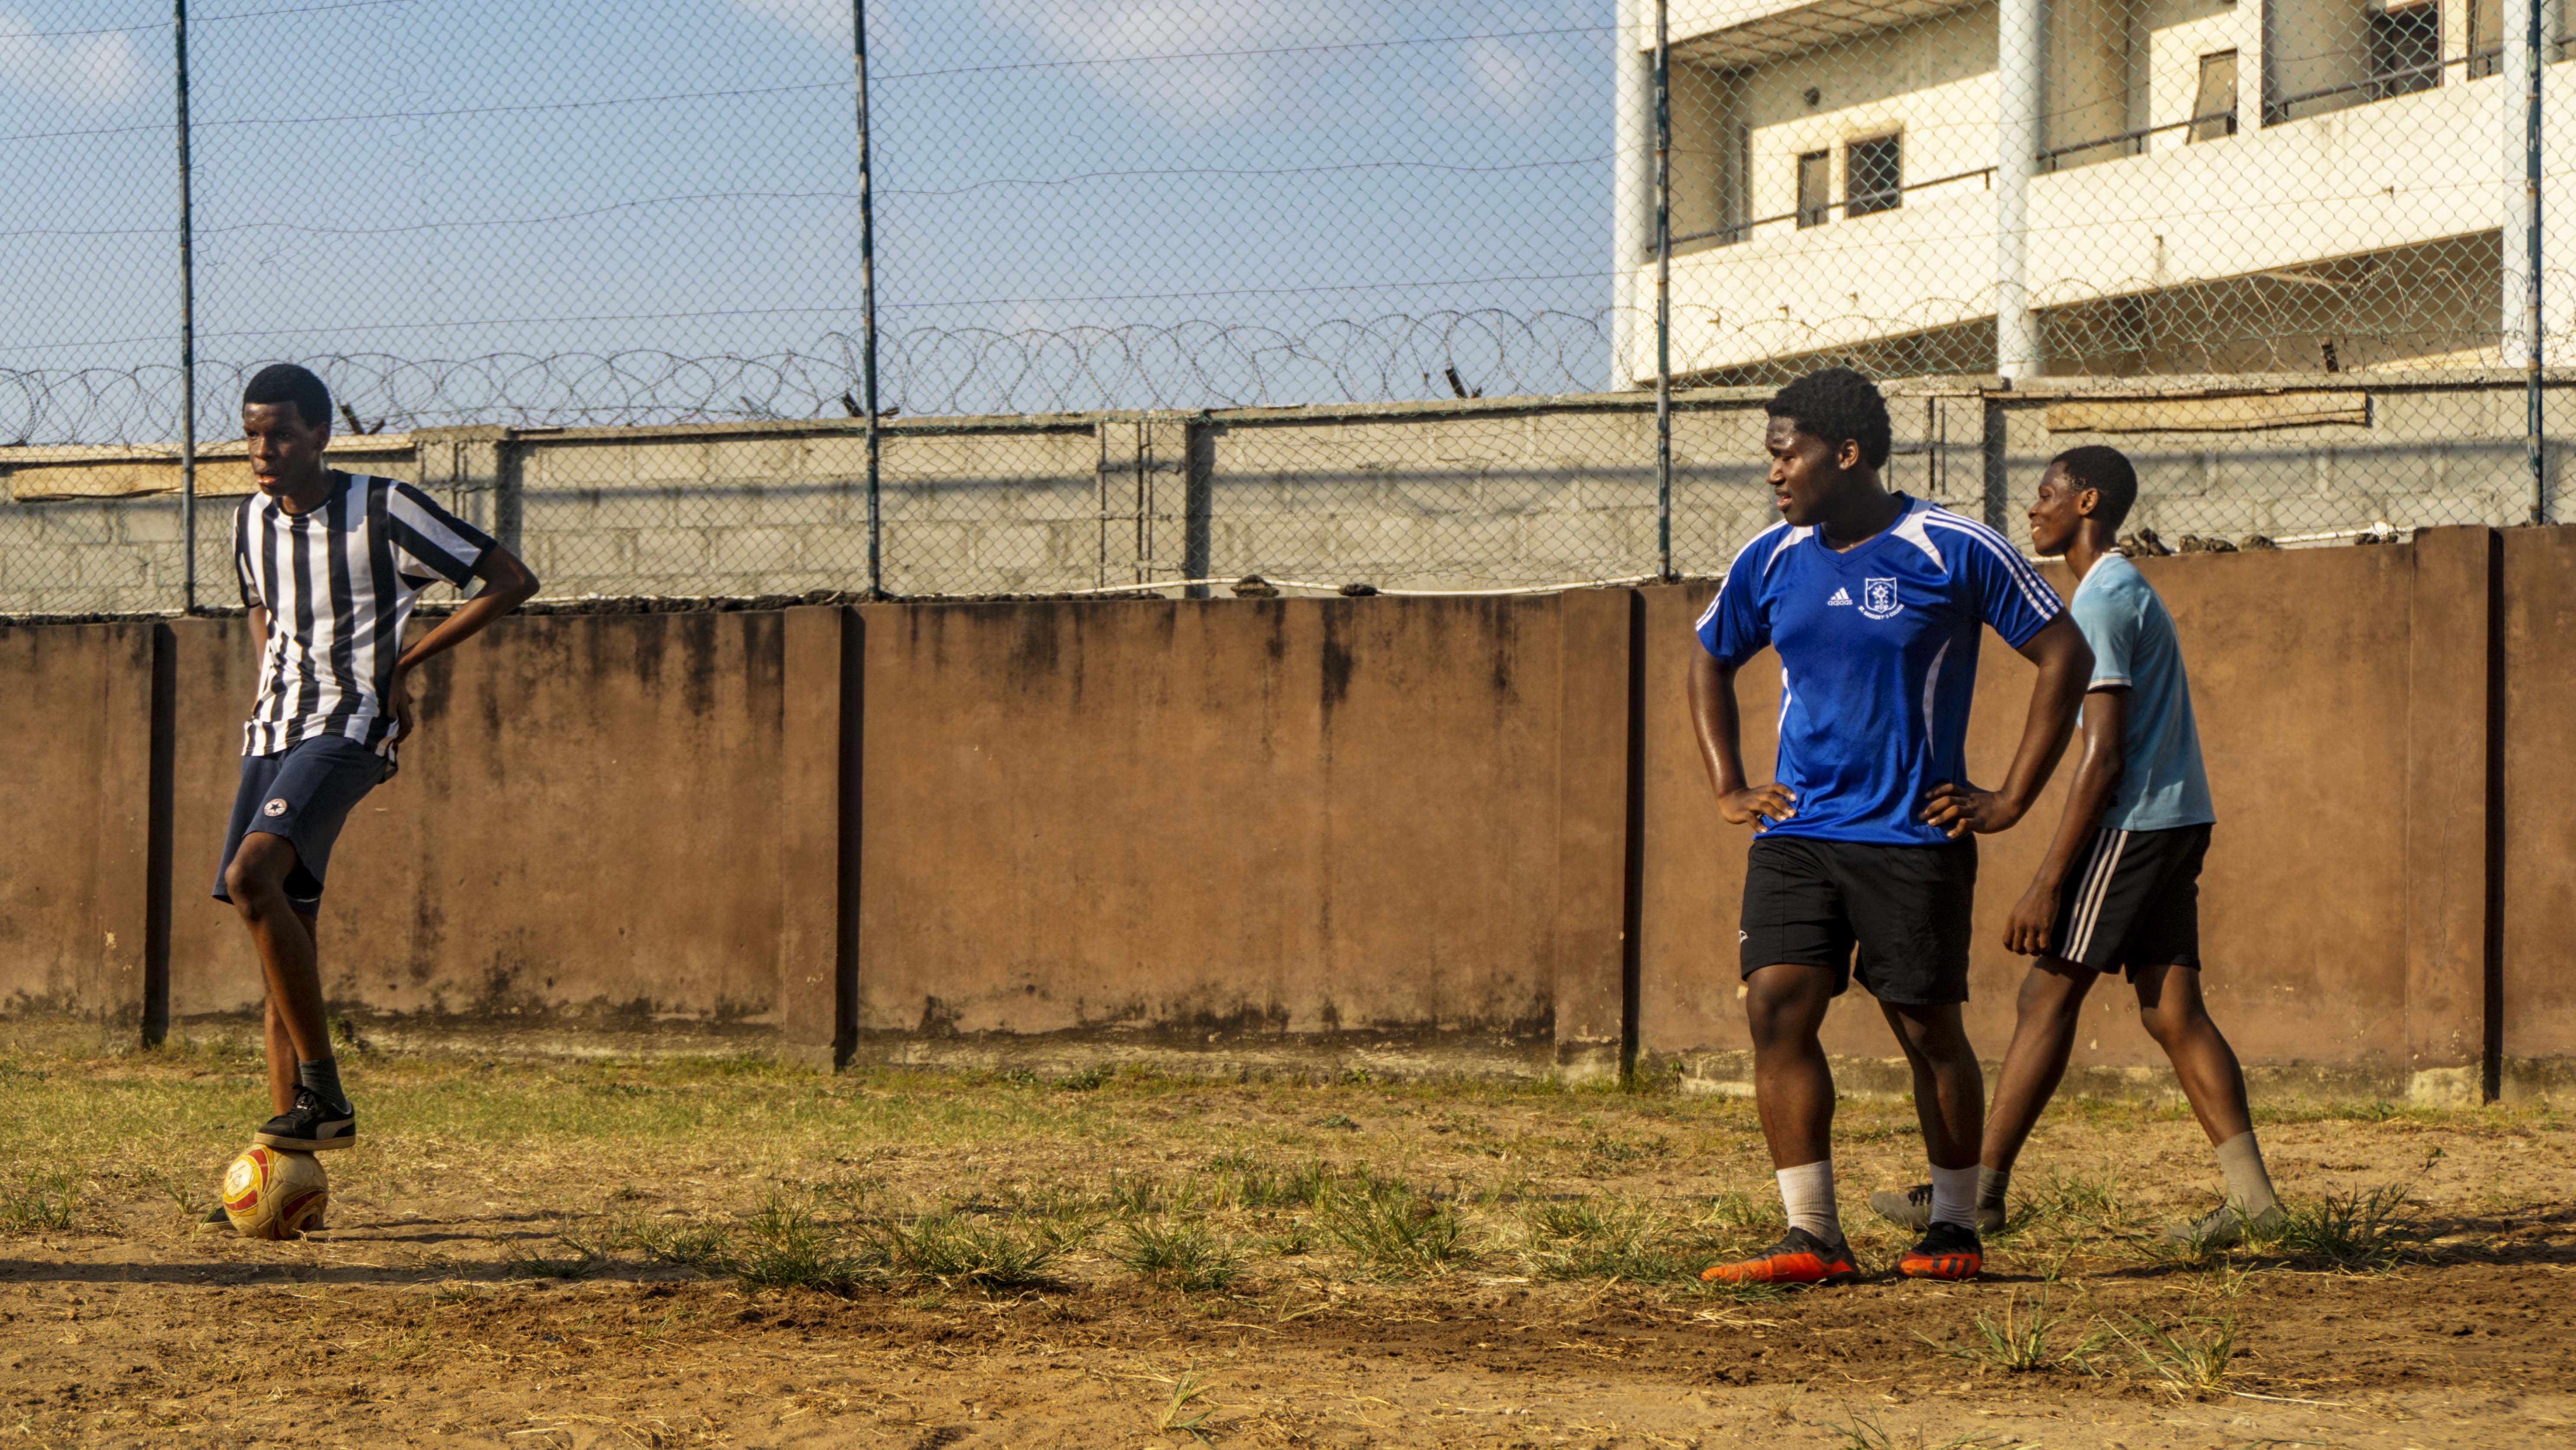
column 1418, row 835
column 1476, row 493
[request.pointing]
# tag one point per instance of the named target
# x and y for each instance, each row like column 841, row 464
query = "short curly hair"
column 1835, row 405
column 288, row 383
column 2108, row 472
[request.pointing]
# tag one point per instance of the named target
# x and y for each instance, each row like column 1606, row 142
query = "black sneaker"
column 311, row 1125
column 1913, row 1209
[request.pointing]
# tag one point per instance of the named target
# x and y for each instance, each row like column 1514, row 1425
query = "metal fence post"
column 868, row 297
column 1663, row 292
column 187, row 320
column 2532, row 442
column 2018, row 65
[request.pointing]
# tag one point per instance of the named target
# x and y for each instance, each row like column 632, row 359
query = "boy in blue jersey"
column 2120, row 886
column 1874, row 602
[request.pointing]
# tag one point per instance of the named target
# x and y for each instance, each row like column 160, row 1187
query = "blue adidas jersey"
column 1878, row 660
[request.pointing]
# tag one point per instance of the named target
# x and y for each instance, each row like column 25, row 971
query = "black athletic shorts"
column 304, row 793
column 2133, row 901
column 1907, row 908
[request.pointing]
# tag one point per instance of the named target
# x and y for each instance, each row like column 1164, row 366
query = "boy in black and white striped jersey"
column 2120, row 886
column 331, row 564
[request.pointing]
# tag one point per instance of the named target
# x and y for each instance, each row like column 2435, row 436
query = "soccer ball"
column 270, row 1193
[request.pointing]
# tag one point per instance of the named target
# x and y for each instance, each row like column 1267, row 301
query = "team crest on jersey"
column 1878, row 599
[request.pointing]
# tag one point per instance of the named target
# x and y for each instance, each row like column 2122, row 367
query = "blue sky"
column 433, row 179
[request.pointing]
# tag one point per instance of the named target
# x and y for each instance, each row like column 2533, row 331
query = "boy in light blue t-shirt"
column 2120, row 887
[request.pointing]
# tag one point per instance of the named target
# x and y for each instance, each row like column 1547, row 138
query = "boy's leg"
column 1949, row 1103
column 2169, row 1001
column 1793, row 1091
column 1793, row 1086
column 1949, row 1085
column 281, row 1046
column 1914, row 913
column 288, row 961
column 281, row 1060
column 2044, row 1025
column 2214, row 1082
column 316, row 1114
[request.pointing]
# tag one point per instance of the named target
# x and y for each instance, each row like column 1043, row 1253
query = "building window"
column 2405, row 49
column 1874, row 176
column 2213, row 106
column 1815, row 188
column 2486, row 37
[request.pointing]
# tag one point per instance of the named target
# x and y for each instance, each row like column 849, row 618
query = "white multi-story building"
column 2175, row 186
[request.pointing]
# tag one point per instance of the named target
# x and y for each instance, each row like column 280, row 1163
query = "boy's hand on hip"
column 1757, row 805
column 1959, row 809
column 398, row 697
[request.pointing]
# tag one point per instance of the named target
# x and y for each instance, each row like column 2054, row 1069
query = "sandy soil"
column 483, row 1287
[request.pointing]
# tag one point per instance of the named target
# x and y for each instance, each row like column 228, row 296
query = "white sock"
column 1807, row 1191
column 1954, row 1196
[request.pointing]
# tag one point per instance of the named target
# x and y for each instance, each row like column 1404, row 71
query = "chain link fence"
column 1328, row 292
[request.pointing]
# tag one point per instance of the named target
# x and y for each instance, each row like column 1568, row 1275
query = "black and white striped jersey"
column 338, row 582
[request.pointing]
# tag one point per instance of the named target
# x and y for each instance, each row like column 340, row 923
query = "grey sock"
column 2248, row 1185
column 1991, row 1183
column 323, row 1080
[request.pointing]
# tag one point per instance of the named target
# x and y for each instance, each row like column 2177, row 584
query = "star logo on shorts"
column 276, row 807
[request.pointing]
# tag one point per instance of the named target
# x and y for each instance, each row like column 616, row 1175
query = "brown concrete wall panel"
column 810, row 845
column 1689, row 993
column 1212, row 821
column 1589, row 990
column 2538, row 897
column 2446, row 813
column 75, row 706
column 216, row 677
column 586, row 830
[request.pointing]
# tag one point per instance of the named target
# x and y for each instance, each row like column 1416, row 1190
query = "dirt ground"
column 685, row 1253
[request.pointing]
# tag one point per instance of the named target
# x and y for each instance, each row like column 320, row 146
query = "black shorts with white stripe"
column 2133, row 901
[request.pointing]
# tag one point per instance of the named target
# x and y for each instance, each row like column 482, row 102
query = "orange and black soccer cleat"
column 1948, row 1251
column 1799, row 1258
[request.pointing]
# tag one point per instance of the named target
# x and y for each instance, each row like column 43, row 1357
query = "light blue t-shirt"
column 2162, row 785
column 1878, row 660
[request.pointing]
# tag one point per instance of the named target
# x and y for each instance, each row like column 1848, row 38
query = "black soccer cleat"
column 1799, row 1258
column 311, row 1126
column 1948, row 1251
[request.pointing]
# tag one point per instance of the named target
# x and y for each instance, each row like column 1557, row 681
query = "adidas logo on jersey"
column 1841, row 596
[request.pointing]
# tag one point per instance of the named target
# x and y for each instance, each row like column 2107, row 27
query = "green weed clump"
column 2189, row 1357
column 688, row 1245
column 1395, row 1230
column 1608, row 1238
column 2359, row 1230
column 785, row 1246
column 2019, row 1343
column 1246, row 1181
column 955, row 1249
column 1187, row 1255
column 39, row 1203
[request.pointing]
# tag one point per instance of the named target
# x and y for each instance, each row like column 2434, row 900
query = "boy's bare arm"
column 1715, row 720
column 507, row 584
column 2065, row 663
column 2097, row 779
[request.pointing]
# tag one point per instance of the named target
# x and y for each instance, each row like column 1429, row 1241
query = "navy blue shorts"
column 303, row 793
